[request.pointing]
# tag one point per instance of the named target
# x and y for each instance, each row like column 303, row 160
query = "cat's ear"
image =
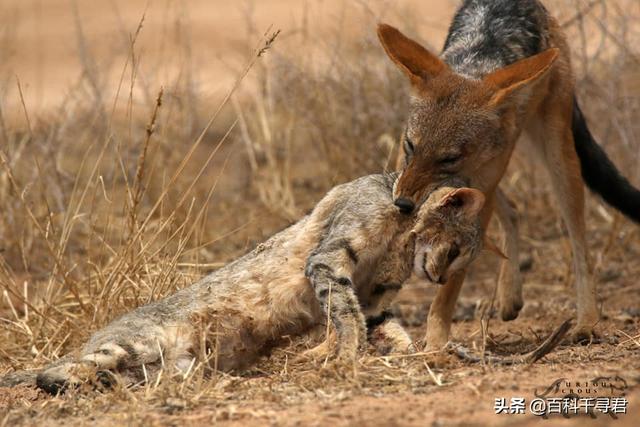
column 488, row 245
column 469, row 201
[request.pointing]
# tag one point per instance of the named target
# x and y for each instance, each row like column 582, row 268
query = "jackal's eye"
column 408, row 146
column 454, row 252
column 450, row 160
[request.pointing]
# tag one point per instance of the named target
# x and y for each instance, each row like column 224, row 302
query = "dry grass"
column 112, row 200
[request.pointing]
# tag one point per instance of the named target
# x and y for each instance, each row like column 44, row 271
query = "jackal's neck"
column 486, row 35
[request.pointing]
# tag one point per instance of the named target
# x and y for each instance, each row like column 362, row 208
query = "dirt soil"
column 412, row 391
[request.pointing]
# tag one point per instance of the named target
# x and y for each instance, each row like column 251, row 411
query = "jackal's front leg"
column 330, row 274
column 510, row 279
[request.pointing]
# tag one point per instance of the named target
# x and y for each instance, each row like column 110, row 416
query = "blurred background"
column 79, row 85
column 50, row 43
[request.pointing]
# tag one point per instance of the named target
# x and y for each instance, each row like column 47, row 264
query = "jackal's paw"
column 437, row 356
column 584, row 335
column 510, row 310
column 439, row 359
column 435, row 343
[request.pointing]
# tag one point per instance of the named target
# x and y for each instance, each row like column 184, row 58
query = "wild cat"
column 345, row 261
column 505, row 70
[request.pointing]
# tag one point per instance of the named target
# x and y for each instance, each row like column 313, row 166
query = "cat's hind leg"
column 103, row 363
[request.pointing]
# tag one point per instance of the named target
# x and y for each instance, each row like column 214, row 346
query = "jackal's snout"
column 405, row 206
column 410, row 191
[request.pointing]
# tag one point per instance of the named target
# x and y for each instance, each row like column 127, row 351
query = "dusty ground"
column 394, row 391
column 384, row 392
column 325, row 89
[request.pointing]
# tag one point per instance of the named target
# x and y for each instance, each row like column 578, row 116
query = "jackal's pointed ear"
column 488, row 245
column 469, row 200
column 510, row 79
column 414, row 60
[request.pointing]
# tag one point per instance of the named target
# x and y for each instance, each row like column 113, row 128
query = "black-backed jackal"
column 505, row 70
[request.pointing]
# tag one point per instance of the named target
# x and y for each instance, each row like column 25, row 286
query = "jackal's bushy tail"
column 599, row 172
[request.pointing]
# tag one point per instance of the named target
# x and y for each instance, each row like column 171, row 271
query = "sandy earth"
column 404, row 395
